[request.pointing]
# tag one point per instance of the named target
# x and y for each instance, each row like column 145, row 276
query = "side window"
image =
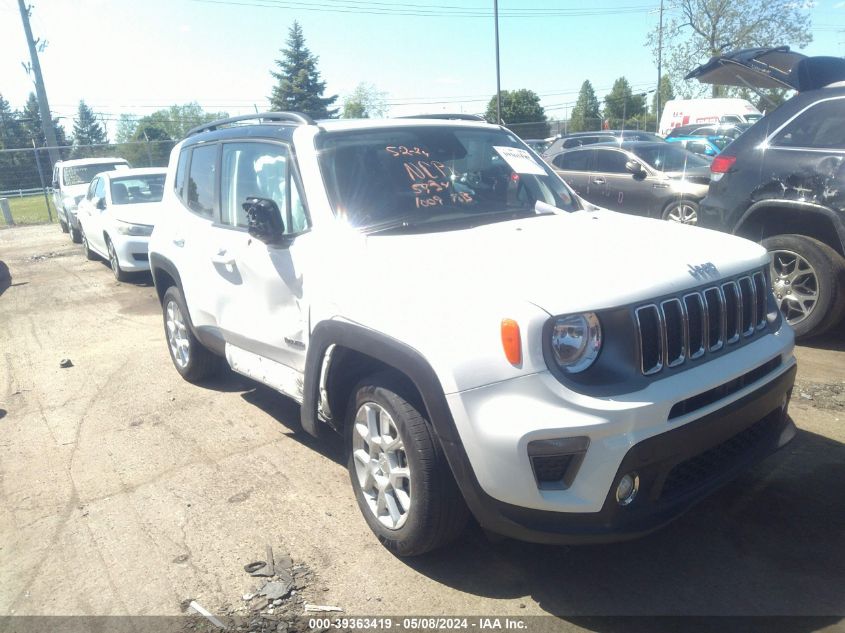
column 822, row 126
column 611, row 162
column 91, row 187
column 181, row 167
column 200, row 186
column 56, row 177
column 100, row 188
column 573, row 161
column 260, row 170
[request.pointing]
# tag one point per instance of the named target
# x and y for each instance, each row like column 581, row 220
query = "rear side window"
column 200, row 186
column 573, row 161
column 609, row 161
column 822, row 126
column 181, row 168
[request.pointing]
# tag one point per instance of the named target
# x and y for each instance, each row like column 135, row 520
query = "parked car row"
column 110, row 209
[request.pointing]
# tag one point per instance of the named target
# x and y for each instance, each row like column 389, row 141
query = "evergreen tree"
column 12, row 136
column 299, row 87
column 586, row 115
column 31, row 121
column 86, row 129
column 622, row 104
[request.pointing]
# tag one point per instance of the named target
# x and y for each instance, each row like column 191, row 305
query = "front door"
column 260, row 308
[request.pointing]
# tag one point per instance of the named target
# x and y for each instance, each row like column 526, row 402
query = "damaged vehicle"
column 484, row 341
column 782, row 182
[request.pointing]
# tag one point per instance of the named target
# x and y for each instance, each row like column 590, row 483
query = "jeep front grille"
column 680, row 329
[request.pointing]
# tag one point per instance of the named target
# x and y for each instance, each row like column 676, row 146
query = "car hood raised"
column 586, row 260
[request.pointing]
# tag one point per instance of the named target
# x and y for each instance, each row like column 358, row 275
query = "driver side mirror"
column 264, row 220
column 100, row 204
column 635, row 168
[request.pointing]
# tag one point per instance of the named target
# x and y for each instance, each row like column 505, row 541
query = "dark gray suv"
column 658, row 180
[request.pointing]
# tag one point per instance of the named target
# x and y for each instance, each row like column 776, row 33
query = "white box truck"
column 690, row 111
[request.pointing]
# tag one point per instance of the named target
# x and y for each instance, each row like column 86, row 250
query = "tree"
column 86, row 129
column 700, row 29
column 666, row 94
column 127, row 124
column 586, row 115
column 299, row 87
column 522, row 112
column 31, row 120
column 364, row 102
column 12, row 136
column 622, row 104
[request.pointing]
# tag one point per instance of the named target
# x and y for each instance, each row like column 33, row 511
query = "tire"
column 75, row 236
column 119, row 273
column 682, row 211
column 86, row 248
column 808, row 279
column 412, row 514
column 63, row 225
column 192, row 359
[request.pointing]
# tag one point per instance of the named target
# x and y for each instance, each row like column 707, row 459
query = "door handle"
column 179, row 241
column 222, row 259
column 599, row 180
column 660, row 186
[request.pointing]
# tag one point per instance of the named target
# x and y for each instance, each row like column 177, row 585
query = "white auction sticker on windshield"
column 520, row 160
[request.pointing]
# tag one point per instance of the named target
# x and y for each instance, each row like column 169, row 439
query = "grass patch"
column 29, row 210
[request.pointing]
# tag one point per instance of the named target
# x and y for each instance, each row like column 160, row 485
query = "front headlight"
column 124, row 228
column 576, row 341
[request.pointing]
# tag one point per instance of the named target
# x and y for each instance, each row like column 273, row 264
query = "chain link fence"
column 26, row 174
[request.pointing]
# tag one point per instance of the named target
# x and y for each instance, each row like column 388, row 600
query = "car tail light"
column 722, row 164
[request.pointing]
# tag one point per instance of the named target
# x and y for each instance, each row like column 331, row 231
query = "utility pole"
column 498, row 76
column 40, row 91
column 659, row 69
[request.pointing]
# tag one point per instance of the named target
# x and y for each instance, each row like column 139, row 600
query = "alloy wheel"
column 795, row 284
column 115, row 265
column 683, row 213
column 381, row 465
column 177, row 334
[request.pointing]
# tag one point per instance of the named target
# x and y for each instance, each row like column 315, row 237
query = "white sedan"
column 117, row 217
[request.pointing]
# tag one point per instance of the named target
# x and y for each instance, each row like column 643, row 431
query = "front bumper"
column 132, row 252
column 678, row 461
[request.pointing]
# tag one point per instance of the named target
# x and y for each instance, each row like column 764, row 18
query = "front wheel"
column 114, row 262
column 402, row 482
column 682, row 211
column 808, row 279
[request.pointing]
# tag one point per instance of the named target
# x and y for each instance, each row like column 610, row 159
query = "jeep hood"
column 770, row 68
column 571, row 262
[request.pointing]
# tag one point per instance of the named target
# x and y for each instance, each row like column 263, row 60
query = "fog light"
column 627, row 488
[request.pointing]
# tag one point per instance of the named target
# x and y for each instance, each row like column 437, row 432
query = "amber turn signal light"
column 511, row 341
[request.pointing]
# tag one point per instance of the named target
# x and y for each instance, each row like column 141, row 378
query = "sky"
column 137, row 56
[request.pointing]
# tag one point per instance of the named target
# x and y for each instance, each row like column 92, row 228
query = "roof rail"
column 441, row 115
column 276, row 117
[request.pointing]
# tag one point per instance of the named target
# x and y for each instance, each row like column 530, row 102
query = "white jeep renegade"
column 486, row 341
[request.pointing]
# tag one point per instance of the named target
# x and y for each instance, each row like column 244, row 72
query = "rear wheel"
column 808, row 279
column 63, row 225
column 86, row 248
column 75, row 235
column 192, row 359
column 402, row 482
column 682, row 211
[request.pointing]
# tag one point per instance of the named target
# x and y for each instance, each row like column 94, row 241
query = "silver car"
column 658, row 180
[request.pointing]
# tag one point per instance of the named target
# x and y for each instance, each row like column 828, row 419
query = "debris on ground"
column 65, row 362
column 196, row 606
column 275, row 605
column 822, row 395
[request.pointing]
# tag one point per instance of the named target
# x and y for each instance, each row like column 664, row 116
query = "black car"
column 782, row 183
column 658, row 180
column 577, row 139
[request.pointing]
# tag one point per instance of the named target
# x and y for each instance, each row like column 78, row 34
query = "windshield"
column 83, row 174
column 668, row 157
column 135, row 189
column 430, row 174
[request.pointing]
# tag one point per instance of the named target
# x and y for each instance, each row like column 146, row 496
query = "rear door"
column 804, row 157
column 575, row 167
